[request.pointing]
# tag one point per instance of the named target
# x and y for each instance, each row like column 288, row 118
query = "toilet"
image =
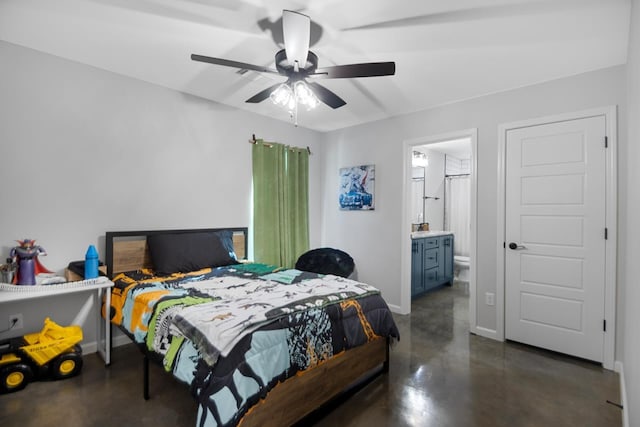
column 461, row 268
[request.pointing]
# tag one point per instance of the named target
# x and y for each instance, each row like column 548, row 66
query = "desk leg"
column 107, row 328
column 104, row 329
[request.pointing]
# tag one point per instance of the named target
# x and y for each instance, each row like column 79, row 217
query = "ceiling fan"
column 297, row 63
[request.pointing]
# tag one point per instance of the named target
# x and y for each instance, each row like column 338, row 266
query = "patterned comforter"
column 232, row 333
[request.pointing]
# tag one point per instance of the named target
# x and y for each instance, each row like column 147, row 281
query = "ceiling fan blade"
column 469, row 14
column 296, row 30
column 262, row 95
column 370, row 69
column 234, row 64
column 326, row 96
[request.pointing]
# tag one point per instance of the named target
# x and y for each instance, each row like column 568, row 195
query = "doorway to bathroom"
column 440, row 199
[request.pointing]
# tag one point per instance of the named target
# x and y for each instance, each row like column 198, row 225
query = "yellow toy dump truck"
column 51, row 353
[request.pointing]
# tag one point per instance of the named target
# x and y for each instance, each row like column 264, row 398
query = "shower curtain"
column 457, row 212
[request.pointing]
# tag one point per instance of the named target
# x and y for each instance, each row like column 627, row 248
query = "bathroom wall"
column 455, row 166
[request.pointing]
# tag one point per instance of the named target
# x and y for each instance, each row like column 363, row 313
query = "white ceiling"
column 445, row 50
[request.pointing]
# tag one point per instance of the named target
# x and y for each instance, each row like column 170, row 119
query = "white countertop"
column 422, row 234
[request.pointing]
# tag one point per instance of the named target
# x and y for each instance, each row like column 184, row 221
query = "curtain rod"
column 253, row 140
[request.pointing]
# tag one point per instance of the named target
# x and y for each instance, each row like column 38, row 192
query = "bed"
column 258, row 345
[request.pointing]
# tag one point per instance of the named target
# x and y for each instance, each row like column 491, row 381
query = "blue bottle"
column 91, row 263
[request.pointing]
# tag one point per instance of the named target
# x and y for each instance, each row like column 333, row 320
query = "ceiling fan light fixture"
column 304, row 95
column 283, row 96
column 290, row 95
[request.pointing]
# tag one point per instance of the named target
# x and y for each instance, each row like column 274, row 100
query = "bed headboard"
column 128, row 250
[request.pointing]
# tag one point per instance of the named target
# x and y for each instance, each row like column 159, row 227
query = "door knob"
column 515, row 246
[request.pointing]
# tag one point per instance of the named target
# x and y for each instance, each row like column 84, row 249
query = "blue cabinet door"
column 417, row 267
column 432, row 255
column 447, row 258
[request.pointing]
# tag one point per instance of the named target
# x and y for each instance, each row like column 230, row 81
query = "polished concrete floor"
column 440, row 375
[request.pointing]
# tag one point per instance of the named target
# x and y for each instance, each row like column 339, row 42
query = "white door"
column 555, row 236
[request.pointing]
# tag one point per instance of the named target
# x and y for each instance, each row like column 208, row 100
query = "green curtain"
column 280, row 203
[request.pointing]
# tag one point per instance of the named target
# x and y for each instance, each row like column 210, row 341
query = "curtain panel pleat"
column 280, row 203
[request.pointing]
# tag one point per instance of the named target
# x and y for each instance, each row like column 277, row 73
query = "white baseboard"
column 396, row 309
column 121, row 340
column 623, row 393
column 117, row 341
column 485, row 332
column 89, row 347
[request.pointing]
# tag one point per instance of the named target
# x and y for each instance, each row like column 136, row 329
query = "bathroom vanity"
column 431, row 260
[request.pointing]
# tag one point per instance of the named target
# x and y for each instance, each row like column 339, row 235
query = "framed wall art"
column 357, row 185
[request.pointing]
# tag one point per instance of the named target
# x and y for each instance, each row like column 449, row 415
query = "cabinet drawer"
column 431, row 243
column 430, row 258
column 430, row 276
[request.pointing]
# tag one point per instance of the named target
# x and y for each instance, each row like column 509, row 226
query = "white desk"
column 101, row 285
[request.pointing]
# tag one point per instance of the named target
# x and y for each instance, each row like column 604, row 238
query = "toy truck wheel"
column 15, row 377
column 66, row 365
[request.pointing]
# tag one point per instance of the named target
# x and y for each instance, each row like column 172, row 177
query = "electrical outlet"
column 489, row 298
column 15, row 321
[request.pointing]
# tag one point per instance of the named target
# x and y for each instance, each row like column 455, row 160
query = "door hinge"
column 606, row 233
column 604, row 325
column 504, row 245
column 606, row 142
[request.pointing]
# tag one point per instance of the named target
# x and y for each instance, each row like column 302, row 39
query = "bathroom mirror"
column 419, row 163
column 417, row 191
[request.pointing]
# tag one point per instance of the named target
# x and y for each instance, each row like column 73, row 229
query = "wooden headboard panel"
column 128, row 250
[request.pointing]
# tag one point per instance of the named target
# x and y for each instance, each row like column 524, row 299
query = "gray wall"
column 85, row 151
column 374, row 238
column 630, row 229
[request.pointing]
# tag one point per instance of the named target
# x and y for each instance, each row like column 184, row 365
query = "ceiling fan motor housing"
column 283, row 67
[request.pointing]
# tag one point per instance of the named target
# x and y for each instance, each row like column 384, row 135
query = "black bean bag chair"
column 326, row 261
